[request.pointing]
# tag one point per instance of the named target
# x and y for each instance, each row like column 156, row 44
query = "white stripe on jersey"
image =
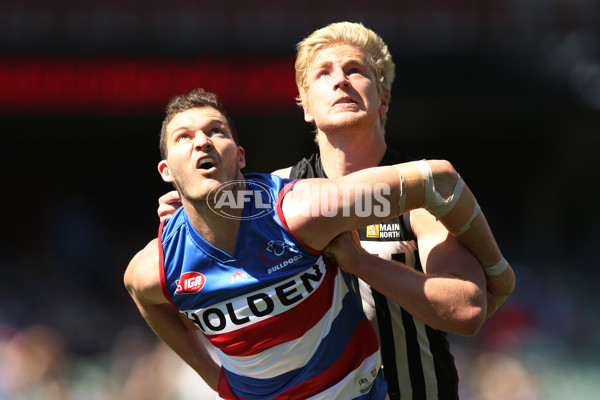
column 385, row 251
column 242, row 309
column 349, row 388
column 291, row 355
column 431, row 390
column 400, row 346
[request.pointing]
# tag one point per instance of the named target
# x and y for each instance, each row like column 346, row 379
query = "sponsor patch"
column 238, row 277
column 190, row 282
column 373, row 231
column 366, row 381
column 276, row 250
column 384, row 231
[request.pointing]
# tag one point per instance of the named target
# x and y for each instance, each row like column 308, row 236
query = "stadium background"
column 509, row 91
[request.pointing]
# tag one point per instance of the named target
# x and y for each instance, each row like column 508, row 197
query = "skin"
column 198, row 134
column 452, row 294
column 344, row 104
column 193, row 135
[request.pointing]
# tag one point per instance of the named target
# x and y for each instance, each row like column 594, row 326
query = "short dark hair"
column 197, row 98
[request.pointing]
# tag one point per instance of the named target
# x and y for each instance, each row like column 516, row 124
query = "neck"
column 216, row 229
column 345, row 152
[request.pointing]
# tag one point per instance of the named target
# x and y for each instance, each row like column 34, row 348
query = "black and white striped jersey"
column 417, row 362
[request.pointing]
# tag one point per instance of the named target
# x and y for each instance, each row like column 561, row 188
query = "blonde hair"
column 353, row 34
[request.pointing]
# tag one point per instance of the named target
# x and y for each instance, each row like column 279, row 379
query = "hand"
column 345, row 250
column 167, row 204
column 493, row 303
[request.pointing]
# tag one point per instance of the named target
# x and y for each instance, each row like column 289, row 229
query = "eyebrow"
column 353, row 60
column 213, row 123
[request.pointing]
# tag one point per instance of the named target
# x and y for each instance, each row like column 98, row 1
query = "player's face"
column 342, row 90
column 201, row 152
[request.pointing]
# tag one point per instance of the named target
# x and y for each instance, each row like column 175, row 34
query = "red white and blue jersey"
column 282, row 319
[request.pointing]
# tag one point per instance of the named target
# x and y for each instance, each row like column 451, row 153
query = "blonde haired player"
column 418, row 281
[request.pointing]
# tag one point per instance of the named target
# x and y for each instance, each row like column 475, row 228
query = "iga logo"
column 233, row 195
column 190, row 282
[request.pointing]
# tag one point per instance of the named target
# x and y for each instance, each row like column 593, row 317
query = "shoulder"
column 283, row 172
column 142, row 276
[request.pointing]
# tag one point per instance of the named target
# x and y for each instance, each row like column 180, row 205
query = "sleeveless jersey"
column 284, row 322
column 417, row 363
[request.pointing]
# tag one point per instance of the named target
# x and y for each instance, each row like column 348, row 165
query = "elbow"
column 467, row 323
column 445, row 177
column 448, row 170
column 473, row 315
column 473, row 323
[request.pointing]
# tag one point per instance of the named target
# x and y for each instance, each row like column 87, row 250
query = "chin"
column 346, row 122
column 198, row 192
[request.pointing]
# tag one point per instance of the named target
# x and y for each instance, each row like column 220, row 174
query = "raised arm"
column 319, row 209
column 143, row 284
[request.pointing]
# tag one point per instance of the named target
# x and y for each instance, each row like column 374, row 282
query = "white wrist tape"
column 434, row 202
column 467, row 224
column 437, row 205
column 497, row 268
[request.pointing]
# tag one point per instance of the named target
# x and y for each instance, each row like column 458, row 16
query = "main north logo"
column 383, row 231
column 230, row 196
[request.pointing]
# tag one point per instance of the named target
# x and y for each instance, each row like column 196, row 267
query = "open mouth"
column 345, row 101
column 206, row 163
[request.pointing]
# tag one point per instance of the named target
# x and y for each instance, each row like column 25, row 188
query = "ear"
column 383, row 105
column 241, row 157
column 165, row 171
column 308, row 117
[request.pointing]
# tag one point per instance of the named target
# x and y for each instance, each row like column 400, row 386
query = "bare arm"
column 458, row 290
column 167, row 204
column 143, row 284
column 499, row 286
column 317, row 209
column 449, row 295
column 438, row 188
column 283, row 172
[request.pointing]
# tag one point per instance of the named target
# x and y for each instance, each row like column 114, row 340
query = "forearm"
column 448, row 303
column 142, row 281
column 391, row 191
column 165, row 322
column 453, row 203
column 493, row 303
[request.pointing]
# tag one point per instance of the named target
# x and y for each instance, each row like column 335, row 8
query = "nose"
column 340, row 79
column 202, row 142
